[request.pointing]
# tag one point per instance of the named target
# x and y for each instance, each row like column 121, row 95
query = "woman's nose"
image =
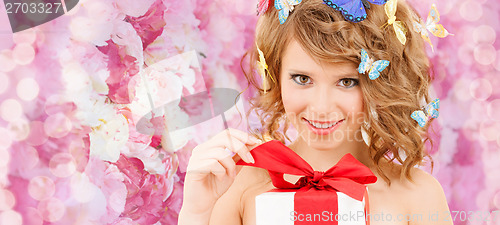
column 323, row 100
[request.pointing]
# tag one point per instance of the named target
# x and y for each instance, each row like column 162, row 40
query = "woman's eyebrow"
column 294, row 71
column 348, row 74
column 340, row 74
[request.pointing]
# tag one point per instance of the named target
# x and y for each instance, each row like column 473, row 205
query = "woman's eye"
column 348, row 82
column 301, row 79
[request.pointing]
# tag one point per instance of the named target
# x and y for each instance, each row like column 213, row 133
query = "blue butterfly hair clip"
column 429, row 111
column 353, row 10
column 372, row 67
column 285, row 7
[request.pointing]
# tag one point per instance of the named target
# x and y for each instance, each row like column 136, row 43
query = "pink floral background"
column 73, row 90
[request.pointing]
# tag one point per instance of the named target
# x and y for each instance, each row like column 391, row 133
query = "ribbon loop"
column 348, row 175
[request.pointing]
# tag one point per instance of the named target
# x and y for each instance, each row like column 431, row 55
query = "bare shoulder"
column 229, row 208
column 427, row 198
column 419, row 199
column 421, row 186
column 424, row 183
column 423, row 189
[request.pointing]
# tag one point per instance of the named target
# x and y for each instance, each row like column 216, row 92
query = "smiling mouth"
column 322, row 124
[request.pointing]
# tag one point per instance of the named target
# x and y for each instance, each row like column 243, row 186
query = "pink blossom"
column 110, row 180
column 134, row 8
column 122, row 67
column 174, row 203
column 150, row 25
column 146, row 192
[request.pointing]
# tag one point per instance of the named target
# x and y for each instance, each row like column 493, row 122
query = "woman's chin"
column 322, row 142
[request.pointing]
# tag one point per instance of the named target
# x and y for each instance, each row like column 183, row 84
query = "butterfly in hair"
column 353, row 10
column 428, row 111
column 372, row 67
column 263, row 70
column 285, row 7
column 262, row 6
column 399, row 27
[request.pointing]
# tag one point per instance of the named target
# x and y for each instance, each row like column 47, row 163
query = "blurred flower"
column 121, row 67
column 108, row 139
column 146, row 192
column 150, row 25
column 134, row 8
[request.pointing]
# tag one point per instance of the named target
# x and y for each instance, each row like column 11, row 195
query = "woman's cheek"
column 354, row 106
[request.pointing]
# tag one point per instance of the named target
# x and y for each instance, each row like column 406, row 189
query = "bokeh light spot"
column 23, row 54
column 466, row 54
column 493, row 109
column 494, row 79
column 496, row 200
column 489, row 130
column 37, row 134
column 57, row 104
column 81, row 188
column 11, row 217
column 30, row 157
column 52, row 209
column 496, row 65
column 62, row 165
column 485, row 54
column 484, row 34
column 26, row 36
column 6, row 63
column 7, row 200
column 11, row 110
column 480, row 89
column 41, row 188
column 477, row 111
column 33, row 216
column 4, row 157
column 4, row 82
column 27, row 89
column 5, row 138
column 467, row 34
column 471, row 10
column 460, row 89
column 20, row 128
column 57, row 125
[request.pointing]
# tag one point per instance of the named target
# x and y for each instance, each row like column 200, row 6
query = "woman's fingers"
column 216, row 161
column 236, row 141
column 220, row 154
column 217, row 169
column 225, row 137
column 242, row 136
column 229, row 164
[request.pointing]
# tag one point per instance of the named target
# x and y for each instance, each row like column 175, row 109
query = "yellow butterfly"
column 431, row 25
column 399, row 27
column 263, row 70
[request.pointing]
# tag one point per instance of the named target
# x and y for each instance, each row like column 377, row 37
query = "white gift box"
column 278, row 208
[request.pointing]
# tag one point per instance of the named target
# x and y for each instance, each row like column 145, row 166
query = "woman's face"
column 322, row 101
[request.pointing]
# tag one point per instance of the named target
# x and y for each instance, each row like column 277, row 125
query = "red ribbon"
column 348, row 176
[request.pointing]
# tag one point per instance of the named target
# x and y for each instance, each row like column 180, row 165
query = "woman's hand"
column 212, row 168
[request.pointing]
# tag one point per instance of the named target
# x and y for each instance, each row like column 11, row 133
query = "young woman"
column 315, row 86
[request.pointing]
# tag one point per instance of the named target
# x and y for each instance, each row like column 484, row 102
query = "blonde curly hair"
column 327, row 36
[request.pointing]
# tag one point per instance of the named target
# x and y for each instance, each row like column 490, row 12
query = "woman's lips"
column 323, row 131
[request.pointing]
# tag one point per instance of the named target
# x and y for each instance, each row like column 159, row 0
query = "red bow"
column 348, row 175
